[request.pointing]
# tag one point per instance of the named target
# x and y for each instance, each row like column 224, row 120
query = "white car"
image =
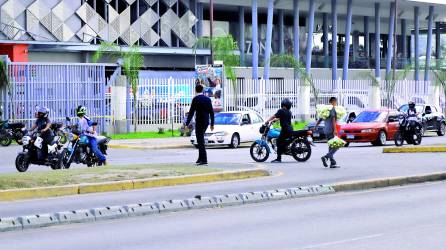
column 232, row 128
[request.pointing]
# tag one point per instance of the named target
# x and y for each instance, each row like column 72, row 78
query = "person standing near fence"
column 202, row 108
column 330, row 131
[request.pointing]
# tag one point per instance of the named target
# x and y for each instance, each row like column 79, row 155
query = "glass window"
column 246, row 118
column 227, row 119
column 256, row 119
column 371, row 116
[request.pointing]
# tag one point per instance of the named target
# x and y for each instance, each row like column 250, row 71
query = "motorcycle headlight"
column 220, row 133
column 367, row 130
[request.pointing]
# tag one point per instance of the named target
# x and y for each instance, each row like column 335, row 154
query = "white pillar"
column 118, row 105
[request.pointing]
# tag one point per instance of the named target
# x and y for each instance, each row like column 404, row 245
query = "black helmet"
column 411, row 104
column 286, row 103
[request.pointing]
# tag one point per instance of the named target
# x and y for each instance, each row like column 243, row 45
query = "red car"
column 375, row 126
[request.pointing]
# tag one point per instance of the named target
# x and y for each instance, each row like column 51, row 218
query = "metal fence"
column 59, row 87
column 396, row 93
column 161, row 102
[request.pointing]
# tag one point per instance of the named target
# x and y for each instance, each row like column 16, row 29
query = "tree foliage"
column 131, row 60
column 224, row 48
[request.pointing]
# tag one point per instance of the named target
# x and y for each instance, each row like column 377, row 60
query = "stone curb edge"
column 28, row 193
column 126, row 146
column 143, row 209
column 415, row 150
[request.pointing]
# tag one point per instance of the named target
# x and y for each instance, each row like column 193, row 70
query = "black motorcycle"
column 409, row 131
column 32, row 144
column 79, row 151
column 61, row 131
column 10, row 132
column 299, row 145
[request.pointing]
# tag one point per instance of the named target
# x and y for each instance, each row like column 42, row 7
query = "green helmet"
column 81, row 110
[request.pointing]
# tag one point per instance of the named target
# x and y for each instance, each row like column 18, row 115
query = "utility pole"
column 394, row 42
column 211, row 31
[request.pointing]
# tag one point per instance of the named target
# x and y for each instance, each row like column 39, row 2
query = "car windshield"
column 227, row 119
column 405, row 107
column 371, row 116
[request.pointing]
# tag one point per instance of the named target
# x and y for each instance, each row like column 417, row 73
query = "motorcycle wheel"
column 5, row 140
column 21, row 163
column 301, row 150
column 399, row 140
column 259, row 153
column 417, row 140
column 64, row 161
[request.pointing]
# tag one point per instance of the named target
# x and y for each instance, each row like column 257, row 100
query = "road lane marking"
column 338, row 242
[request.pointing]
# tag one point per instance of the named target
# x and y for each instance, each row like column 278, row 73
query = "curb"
column 126, row 146
column 152, row 208
column 27, row 193
column 198, row 202
column 432, row 149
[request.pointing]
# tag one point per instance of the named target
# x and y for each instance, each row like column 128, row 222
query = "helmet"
column 81, row 110
column 286, row 103
column 411, row 104
column 42, row 112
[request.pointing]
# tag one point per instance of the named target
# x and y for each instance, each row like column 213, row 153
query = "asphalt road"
column 410, row 217
column 358, row 163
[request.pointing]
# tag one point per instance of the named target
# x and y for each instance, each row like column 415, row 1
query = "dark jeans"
column 331, row 151
column 42, row 153
column 282, row 143
column 199, row 133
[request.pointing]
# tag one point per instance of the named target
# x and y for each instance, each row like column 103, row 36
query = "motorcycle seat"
column 101, row 139
column 300, row 133
column 16, row 125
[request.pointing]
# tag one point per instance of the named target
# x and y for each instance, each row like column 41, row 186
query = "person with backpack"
column 87, row 128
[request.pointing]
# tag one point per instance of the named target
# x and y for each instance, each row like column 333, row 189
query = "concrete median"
column 413, row 149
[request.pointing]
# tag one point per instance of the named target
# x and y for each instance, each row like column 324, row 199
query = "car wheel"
column 442, row 130
column 381, row 140
column 235, row 141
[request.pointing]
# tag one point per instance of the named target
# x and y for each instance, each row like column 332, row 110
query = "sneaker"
column 202, row 164
column 335, row 166
column 324, row 161
column 277, row 161
column 102, row 163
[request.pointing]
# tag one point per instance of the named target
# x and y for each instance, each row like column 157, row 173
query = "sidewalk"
column 161, row 143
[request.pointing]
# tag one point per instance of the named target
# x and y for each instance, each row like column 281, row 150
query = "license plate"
column 350, row 137
column 316, row 134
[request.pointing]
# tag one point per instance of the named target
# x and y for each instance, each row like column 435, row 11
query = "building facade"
column 167, row 30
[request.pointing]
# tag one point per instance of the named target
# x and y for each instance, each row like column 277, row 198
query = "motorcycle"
column 299, row 145
column 32, row 144
column 10, row 132
column 409, row 131
column 60, row 130
column 78, row 149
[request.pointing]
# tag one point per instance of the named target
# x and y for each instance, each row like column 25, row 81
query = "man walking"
column 202, row 108
column 330, row 131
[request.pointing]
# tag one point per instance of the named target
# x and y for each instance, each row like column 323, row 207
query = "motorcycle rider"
column 412, row 115
column 88, row 129
column 286, row 132
column 43, row 126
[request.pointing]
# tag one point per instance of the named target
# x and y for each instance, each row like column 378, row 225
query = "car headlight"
column 367, row 130
column 220, row 133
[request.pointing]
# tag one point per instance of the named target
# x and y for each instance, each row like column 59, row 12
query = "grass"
column 97, row 174
column 296, row 125
column 145, row 135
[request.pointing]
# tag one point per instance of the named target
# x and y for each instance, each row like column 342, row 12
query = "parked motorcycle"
column 79, row 151
column 10, row 132
column 32, row 144
column 409, row 131
column 299, row 145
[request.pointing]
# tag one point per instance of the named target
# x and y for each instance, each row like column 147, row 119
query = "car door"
column 245, row 128
column 392, row 125
column 428, row 115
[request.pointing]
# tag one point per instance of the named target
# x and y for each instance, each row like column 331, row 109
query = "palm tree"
column 132, row 61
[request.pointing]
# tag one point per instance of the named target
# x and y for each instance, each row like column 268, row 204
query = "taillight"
column 309, row 132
